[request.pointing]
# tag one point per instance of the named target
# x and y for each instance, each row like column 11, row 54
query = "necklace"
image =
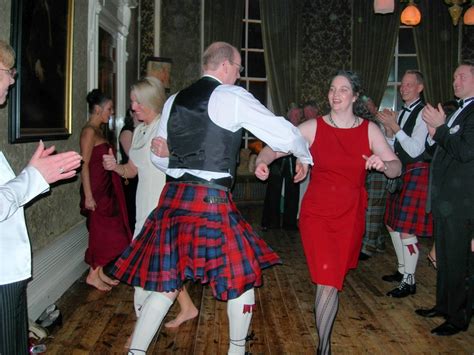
column 356, row 121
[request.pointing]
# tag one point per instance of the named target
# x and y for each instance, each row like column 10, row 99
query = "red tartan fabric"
column 405, row 211
column 187, row 238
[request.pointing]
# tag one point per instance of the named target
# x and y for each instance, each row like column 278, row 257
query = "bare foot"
column 94, row 280
column 182, row 317
column 107, row 279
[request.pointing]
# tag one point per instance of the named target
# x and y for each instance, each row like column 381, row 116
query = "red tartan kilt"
column 406, row 211
column 188, row 238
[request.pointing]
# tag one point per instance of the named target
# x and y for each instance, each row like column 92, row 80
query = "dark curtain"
column 436, row 42
column 374, row 37
column 280, row 33
column 223, row 21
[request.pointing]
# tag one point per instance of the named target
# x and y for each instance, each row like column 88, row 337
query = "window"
column 404, row 59
column 254, row 78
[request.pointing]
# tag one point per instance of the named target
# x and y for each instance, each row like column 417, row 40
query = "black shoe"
column 363, row 256
column 395, row 277
column 402, row 290
column 447, row 329
column 428, row 313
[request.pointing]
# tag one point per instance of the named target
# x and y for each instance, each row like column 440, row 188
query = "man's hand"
column 433, row 117
column 301, row 170
column 55, row 167
column 389, row 120
column 262, row 171
column 159, row 147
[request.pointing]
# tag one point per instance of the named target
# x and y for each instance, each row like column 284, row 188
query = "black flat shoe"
column 447, row 329
column 395, row 277
column 363, row 256
column 402, row 290
column 428, row 313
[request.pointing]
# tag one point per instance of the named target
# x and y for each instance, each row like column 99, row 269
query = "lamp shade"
column 384, row 6
column 411, row 16
column 469, row 16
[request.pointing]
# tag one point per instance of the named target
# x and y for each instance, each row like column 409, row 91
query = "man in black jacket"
column 452, row 204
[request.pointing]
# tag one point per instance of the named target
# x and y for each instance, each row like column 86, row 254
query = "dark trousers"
column 281, row 171
column 13, row 319
column 455, row 262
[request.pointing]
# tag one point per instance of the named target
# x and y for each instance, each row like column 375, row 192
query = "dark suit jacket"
column 452, row 189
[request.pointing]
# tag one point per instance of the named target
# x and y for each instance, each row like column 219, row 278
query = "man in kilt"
column 405, row 214
column 196, row 232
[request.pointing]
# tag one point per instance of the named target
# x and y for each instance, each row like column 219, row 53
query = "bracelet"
column 124, row 175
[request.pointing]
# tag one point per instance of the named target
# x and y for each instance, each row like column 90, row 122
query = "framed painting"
column 41, row 99
column 160, row 68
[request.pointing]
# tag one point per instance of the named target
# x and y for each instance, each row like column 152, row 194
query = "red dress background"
column 109, row 231
column 332, row 217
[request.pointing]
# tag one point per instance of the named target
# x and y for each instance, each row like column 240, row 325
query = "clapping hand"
column 55, row 167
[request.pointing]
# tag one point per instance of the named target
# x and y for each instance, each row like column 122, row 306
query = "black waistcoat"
column 194, row 141
column 408, row 129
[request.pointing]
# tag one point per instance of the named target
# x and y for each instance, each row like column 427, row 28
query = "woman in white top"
column 147, row 97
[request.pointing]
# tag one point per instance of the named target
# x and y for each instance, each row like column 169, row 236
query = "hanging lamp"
column 411, row 15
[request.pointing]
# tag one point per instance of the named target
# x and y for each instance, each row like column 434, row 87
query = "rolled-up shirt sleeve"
column 232, row 107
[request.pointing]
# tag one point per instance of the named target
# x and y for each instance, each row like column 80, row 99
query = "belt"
column 221, row 184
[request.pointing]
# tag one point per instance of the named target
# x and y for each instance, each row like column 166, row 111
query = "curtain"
column 436, row 43
column 280, row 34
column 373, row 43
column 223, row 21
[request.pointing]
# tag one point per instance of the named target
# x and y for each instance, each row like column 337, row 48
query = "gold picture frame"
column 160, row 68
column 41, row 99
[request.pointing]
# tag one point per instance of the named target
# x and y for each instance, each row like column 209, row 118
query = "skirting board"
column 55, row 268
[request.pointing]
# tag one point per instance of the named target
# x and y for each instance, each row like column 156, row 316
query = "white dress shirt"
column 414, row 145
column 453, row 117
column 15, row 192
column 232, row 107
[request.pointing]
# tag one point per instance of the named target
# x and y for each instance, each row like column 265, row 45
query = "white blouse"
column 15, row 192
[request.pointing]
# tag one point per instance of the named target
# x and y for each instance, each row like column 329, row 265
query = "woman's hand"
column 374, row 162
column 108, row 161
column 159, row 147
column 262, row 172
column 54, row 167
column 90, row 204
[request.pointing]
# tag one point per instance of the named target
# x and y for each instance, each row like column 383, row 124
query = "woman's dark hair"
column 128, row 120
column 96, row 97
column 359, row 107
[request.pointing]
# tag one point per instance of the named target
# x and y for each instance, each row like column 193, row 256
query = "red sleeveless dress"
column 332, row 217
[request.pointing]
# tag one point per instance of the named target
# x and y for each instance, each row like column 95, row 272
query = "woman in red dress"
column 102, row 197
column 332, row 219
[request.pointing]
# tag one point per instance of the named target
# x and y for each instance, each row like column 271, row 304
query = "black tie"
column 462, row 102
column 404, row 110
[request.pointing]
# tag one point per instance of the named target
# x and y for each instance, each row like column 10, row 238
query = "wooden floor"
column 367, row 322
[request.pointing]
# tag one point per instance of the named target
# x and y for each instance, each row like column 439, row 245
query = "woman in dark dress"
column 102, row 198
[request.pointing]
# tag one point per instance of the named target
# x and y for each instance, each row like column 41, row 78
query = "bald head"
column 222, row 60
